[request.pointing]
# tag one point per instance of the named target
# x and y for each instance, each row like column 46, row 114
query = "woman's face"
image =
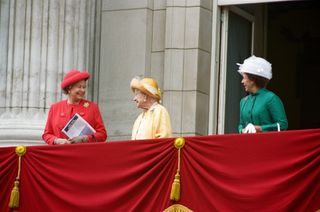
column 78, row 91
column 140, row 98
column 248, row 84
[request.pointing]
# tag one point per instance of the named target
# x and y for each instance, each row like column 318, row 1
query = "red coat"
column 61, row 112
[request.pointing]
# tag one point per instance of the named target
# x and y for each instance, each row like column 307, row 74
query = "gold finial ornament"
column 21, row 150
column 179, row 142
column 177, row 207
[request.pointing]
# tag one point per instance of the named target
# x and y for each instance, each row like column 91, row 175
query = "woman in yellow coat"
column 154, row 121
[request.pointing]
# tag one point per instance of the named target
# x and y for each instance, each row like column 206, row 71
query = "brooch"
column 86, row 104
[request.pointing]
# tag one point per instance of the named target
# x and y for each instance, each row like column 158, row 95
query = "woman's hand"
column 258, row 128
column 61, row 141
column 78, row 139
column 250, row 128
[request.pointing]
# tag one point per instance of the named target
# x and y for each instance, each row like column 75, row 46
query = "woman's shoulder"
column 158, row 107
column 84, row 103
column 245, row 98
column 270, row 94
column 59, row 103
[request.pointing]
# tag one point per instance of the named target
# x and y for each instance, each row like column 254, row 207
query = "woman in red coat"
column 74, row 86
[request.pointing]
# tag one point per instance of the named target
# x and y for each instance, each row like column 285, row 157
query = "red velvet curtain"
column 257, row 172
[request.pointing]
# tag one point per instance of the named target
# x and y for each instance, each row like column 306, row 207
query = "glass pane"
column 239, row 48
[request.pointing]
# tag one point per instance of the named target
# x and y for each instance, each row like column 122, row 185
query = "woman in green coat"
column 262, row 110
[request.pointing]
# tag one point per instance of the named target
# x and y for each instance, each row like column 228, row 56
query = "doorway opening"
column 289, row 38
column 293, row 46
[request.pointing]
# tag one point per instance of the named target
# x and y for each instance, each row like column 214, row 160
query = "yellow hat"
column 148, row 86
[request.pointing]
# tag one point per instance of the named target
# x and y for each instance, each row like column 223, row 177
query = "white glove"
column 250, row 128
column 79, row 139
column 61, row 141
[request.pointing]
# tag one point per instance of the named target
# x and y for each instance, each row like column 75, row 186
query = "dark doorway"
column 293, row 47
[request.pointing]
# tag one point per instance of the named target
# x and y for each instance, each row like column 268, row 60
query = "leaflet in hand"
column 77, row 126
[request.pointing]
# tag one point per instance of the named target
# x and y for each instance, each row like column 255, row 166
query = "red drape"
column 257, row 172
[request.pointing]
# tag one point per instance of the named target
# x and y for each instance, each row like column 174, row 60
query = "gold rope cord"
column 15, row 195
column 175, row 189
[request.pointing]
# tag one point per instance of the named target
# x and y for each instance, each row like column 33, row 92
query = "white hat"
column 256, row 66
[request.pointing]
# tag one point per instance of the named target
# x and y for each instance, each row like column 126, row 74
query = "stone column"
column 187, row 65
column 169, row 40
column 40, row 40
column 126, row 42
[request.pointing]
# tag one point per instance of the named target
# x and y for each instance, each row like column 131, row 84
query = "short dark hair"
column 66, row 89
column 260, row 82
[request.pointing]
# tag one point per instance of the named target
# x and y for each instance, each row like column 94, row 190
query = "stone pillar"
column 126, row 40
column 40, row 40
column 187, row 65
column 168, row 40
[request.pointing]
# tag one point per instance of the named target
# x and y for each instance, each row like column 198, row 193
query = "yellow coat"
column 153, row 123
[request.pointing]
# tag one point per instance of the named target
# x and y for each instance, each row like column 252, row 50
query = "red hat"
column 74, row 76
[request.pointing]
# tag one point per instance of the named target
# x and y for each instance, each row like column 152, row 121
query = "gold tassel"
column 175, row 189
column 14, row 198
column 15, row 194
column 178, row 208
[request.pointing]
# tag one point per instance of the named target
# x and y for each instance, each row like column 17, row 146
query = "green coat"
column 265, row 109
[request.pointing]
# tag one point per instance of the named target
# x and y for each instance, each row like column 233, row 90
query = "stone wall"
column 40, row 40
column 115, row 40
column 167, row 40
